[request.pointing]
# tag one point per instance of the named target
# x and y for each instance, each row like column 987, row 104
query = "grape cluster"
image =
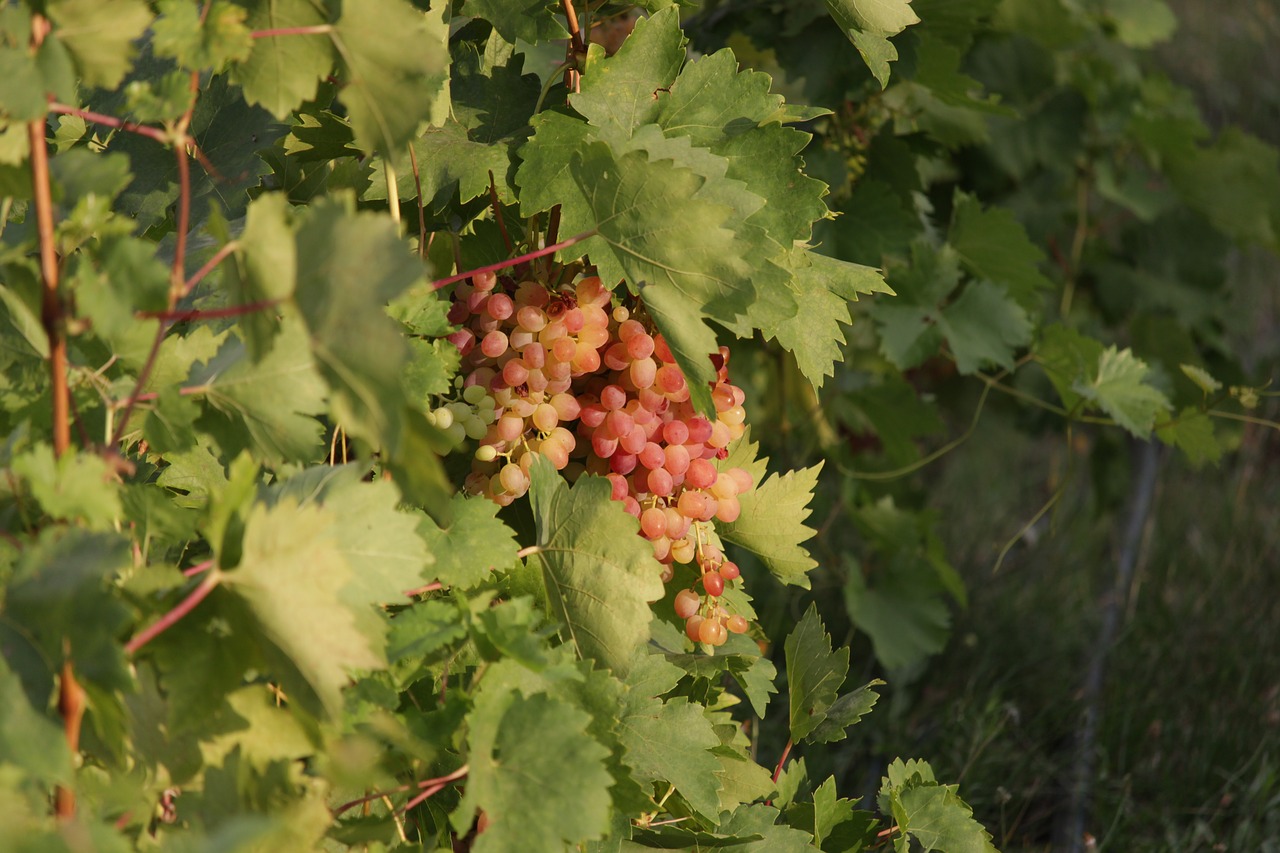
column 564, row 373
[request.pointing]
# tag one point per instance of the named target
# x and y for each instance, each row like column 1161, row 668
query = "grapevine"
column 578, row 375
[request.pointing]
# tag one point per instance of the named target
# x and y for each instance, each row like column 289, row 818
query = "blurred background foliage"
column 974, row 567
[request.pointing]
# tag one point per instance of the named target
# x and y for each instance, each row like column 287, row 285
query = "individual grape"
column 555, row 452
column 642, row 372
column 713, row 583
column 513, row 479
column 651, row 455
column 509, row 427
column 687, row 603
column 712, row 632
column 474, row 394
column 484, row 281
column 639, row 345
column 729, row 570
column 693, row 627
column 545, row 417
column 499, row 306
column 737, row 624
column 700, row 474
column 653, row 522
column 660, row 483
column 682, row 550
column 728, row 510
column 494, row 344
column 486, row 453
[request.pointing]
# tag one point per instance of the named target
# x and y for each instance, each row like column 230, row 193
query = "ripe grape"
column 577, row 375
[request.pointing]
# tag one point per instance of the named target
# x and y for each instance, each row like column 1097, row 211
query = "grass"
column 1189, row 745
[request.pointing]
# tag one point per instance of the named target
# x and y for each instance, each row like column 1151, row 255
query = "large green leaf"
column 869, row 24
column 100, row 36
column 284, row 70
column 350, row 265
column 600, row 574
column 395, row 62
column 814, row 673
column 669, row 742
column 472, row 546
column 294, row 576
column 541, row 781
column 930, row 814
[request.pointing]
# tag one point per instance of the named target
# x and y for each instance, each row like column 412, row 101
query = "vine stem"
column 171, row 618
column 431, row 587
column 178, row 287
column 577, row 47
column 431, row 786
column 786, row 750
column 111, row 121
column 528, row 552
column 70, row 694
column 511, row 262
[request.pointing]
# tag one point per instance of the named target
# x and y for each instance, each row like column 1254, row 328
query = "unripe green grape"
column 486, row 453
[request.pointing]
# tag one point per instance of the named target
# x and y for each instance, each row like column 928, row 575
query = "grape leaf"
column 1117, row 386
column 292, row 574
column 983, row 326
column 772, row 523
column 670, row 742
column 274, row 401
column 541, row 781
column 527, row 20
column 74, row 487
column 1067, row 357
column 993, row 245
column 1192, row 433
column 395, row 61
column 869, row 24
column 823, row 287
column 814, row 673
column 621, row 92
column 600, row 575
column 929, row 813
column 904, row 613
column 349, row 266
column 100, row 36
column 265, row 268
column 284, row 70
column 201, row 37
column 846, row 711
column 473, row 546
column 381, row 543
column 28, row 739
column 58, row 599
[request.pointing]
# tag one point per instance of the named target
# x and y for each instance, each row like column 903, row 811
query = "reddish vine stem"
column 70, row 694
column 577, row 47
column 198, row 568
column 439, row 786
column 209, row 313
column 111, row 121
column 432, row 785
column 511, row 262
column 786, row 750
column 431, row 587
column 171, row 618
column 209, row 266
column 177, row 286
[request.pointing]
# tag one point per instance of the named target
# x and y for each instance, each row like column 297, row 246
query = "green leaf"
column 293, row 575
column 1192, row 433
column 1141, row 23
column 273, row 401
column 76, row 487
column 983, row 326
column 349, row 266
column 622, row 92
column 1067, row 358
column 542, row 781
column 381, row 543
column 1236, row 183
column 394, row 61
column 823, row 287
column 58, row 600
column 928, row 813
column 201, row 37
column 903, row 613
column 100, row 36
column 600, row 574
column 1201, row 377
column 846, row 711
column 473, row 546
column 28, row 739
column 284, row 70
column 264, row 270
column 869, row 24
column 669, row 743
column 772, row 523
column 1118, row 386
column 531, row 21
column 814, row 673
column 993, row 245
